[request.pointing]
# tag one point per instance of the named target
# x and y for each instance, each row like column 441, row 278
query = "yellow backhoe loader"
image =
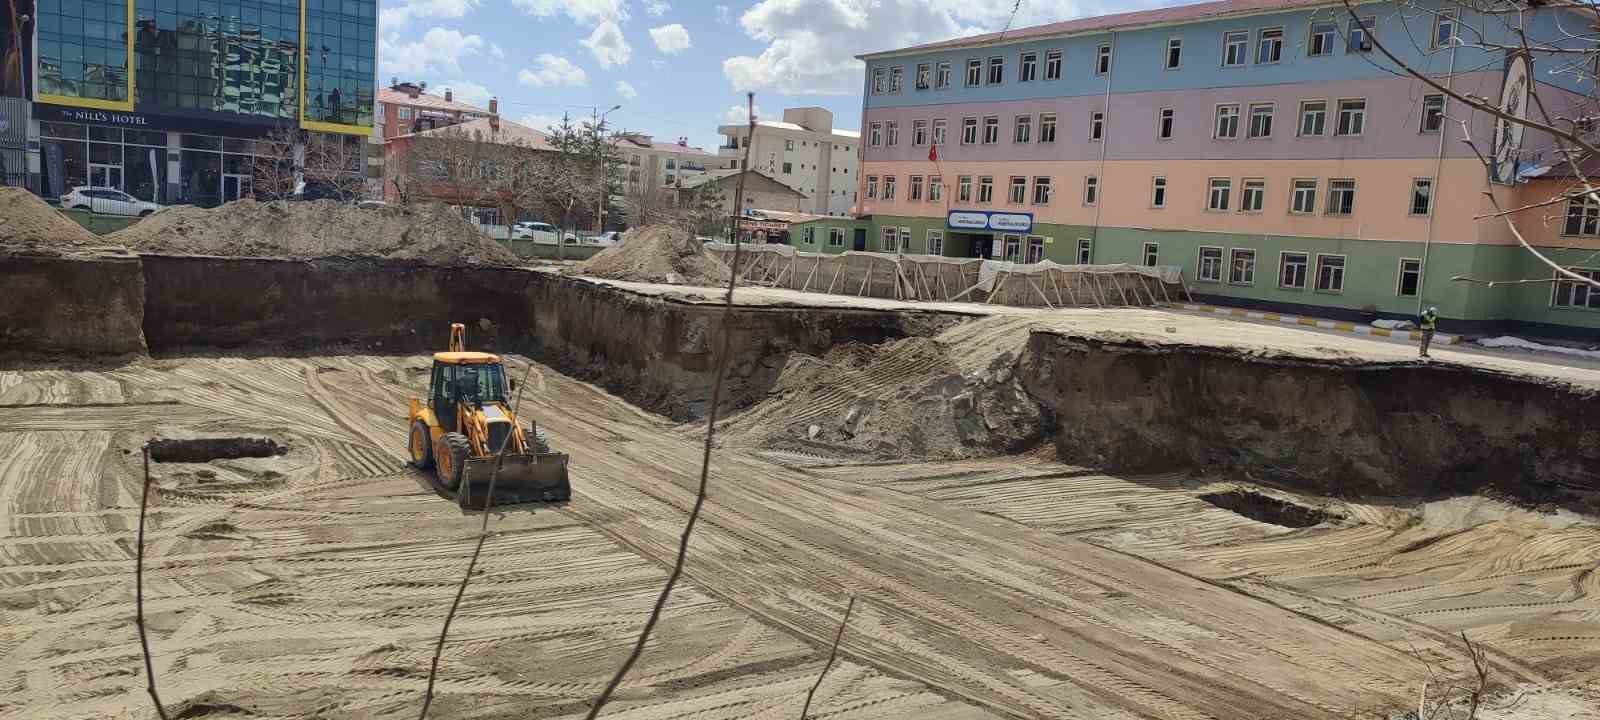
column 465, row 428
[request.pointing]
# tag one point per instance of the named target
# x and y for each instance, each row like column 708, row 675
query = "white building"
column 804, row 152
column 650, row 165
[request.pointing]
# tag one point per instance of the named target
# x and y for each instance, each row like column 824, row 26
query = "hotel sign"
column 985, row 220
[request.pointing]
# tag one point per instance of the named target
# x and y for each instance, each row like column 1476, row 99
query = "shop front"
column 993, row 236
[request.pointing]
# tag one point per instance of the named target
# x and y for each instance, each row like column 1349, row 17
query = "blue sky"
column 677, row 67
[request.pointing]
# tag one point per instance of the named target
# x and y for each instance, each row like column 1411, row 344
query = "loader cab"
column 458, row 377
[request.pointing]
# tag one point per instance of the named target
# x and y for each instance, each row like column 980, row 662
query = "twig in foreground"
column 483, row 534
column 832, row 654
column 138, row 592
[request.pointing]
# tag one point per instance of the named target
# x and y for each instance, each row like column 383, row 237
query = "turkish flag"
column 933, row 154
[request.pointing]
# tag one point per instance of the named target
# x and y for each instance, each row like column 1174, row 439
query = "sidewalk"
column 1338, row 325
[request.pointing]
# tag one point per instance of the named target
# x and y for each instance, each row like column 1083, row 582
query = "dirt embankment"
column 1344, row 428
column 429, row 234
column 658, row 254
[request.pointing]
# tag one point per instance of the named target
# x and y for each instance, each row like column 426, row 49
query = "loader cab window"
column 485, row 383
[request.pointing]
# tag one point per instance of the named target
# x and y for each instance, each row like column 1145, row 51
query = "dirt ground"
column 311, row 583
column 657, row 254
column 433, row 234
column 32, row 226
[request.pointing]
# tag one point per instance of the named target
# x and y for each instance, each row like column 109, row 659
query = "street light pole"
column 600, row 204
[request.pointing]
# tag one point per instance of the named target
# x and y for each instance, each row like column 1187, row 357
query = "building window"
column 924, row 76
column 1432, row 113
column 919, row 132
column 1028, row 67
column 974, row 72
column 1361, row 33
column 1013, row 248
column 888, row 187
column 1091, row 190
column 1313, row 117
column 807, row 237
column 1269, row 46
column 1041, row 191
column 1583, row 216
column 1352, row 117
column 1330, row 273
column 1444, row 29
column 991, row 130
column 1035, row 249
column 916, row 188
column 1097, row 126
column 1254, row 195
column 1292, row 270
column 1218, row 198
column 969, row 131
column 1158, row 192
column 1322, row 36
column 964, row 188
column 836, row 237
column 997, row 70
column 1052, row 65
column 891, row 240
column 1421, row 196
column 1261, row 120
column 880, row 80
column 1569, row 293
column 891, row 132
column 897, row 77
column 875, row 134
column 1085, row 251
column 1341, row 196
column 1164, row 121
column 1024, row 129
column 942, row 75
column 935, row 242
column 1241, row 267
column 985, row 189
column 1227, row 122
column 1102, row 59
column 787, row 169
column 1174, row 53
column 935, row 188
column 905, row 239
column 1410, row 280
column 788, row 145
column 938, row 132
column 404, row 113
column 1210, row 269
column 872, row 187
column 1019, row 191
column 1304, row 201
column 1047, row 127
column 1152, row 252
column 1235, row 48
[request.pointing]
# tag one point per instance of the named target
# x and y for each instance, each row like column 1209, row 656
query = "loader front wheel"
column 421, row 446
column 448, row 464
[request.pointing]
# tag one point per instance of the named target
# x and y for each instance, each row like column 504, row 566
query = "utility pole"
column 744, row 167
column 600, row 202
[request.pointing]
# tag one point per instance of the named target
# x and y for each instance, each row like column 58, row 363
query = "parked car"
column 106, row 200
column 541, row 233
column 607, row 238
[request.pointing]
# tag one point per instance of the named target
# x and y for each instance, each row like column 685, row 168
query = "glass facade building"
column 341, row 46
column 84, row 53
column 233, row 56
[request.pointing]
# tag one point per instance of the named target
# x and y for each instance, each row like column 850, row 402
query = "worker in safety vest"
column 1430, row 319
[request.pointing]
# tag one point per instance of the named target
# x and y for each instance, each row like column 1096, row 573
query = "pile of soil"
column 432, row 234
column 951, row 396
column 658, row 254
column 29, row 226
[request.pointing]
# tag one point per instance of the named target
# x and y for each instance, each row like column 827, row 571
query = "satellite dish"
column 1513, row 102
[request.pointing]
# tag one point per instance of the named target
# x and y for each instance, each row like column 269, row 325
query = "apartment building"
column 805, row 152
column 1264, row 146
column 649, row 166
column 406, row 107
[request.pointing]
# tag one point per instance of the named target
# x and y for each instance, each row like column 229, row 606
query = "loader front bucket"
column 522, row 478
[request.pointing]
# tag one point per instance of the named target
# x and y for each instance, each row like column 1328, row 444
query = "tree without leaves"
column 578, row 173
column 287, row 160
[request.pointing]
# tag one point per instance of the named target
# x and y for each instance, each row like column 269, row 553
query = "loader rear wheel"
column 421, row 446
column 448, row 464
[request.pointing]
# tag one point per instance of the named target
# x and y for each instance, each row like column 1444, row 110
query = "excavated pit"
column 1268, row 509
column 200, row 450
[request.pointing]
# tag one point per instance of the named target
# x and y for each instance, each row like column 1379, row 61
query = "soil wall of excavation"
column 1347, row 429
column 86, row 304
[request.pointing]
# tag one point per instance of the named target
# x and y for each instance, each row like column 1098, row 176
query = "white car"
column 605, row 239
column 541, row 233
column 107, row 201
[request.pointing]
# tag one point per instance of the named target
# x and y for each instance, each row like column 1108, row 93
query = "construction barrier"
column 945, row 279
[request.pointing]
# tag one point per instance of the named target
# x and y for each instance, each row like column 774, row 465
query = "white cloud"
column 439, row 49
column 581, row 11
column 625, row 89
column 608, row 45
column 397, row 14
column 656, row 8
column 465, row 91
column 811, row 44
column 494, row 49
column 739, row 115
column 539, row 122
column 670, row 39
column 724, row 14
column 658, row 63
column 553, row 71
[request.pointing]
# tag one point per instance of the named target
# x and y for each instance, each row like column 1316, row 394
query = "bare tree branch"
column 832, row 655
column 138, row 593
